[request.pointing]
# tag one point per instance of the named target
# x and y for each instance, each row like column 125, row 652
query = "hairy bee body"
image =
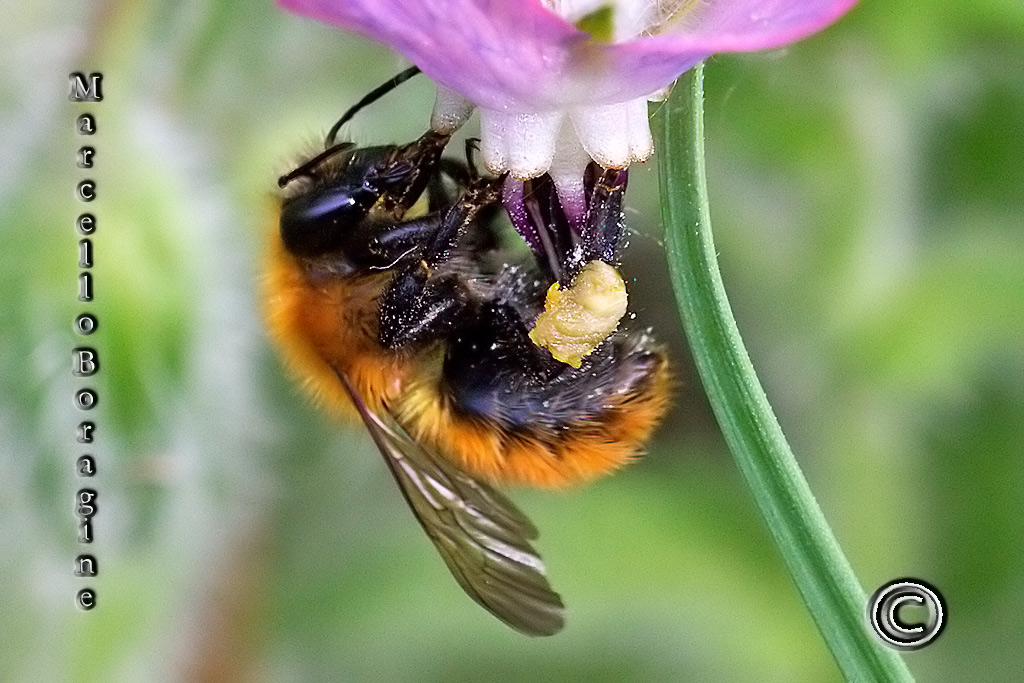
column 329, row 324
column 576, row 427
column 391, row 303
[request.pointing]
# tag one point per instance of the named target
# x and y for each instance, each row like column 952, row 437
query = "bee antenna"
column 371, row 97
column 307, row 168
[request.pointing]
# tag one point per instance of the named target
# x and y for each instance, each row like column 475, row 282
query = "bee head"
column 352, row 201
column 328, row 197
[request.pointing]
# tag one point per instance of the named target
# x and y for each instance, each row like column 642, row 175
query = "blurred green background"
column 867, row 189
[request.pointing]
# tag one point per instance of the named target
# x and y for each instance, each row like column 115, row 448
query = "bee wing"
column 479, row 533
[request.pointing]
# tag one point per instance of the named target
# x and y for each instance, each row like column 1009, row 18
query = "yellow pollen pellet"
column 578, row 318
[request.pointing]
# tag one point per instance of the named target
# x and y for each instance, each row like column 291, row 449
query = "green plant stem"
column 821, row 572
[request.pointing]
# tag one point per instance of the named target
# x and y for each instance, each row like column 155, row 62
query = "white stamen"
column 522, row 144
column 641, row 143
column 604, row 133
column 451, row 110
column 615, row 134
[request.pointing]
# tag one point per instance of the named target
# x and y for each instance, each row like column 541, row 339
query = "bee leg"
column 472, row 148
column 415, row 167
column 479, row 197
column 384, row 246
column 417, row 308
column 420, row 306
column 604, row 226
column 428, row 238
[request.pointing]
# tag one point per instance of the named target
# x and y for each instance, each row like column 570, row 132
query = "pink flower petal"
column 641, row 66
column 494, row 52
column 518, row 56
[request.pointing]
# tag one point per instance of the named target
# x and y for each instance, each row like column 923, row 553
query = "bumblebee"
column 390, row 300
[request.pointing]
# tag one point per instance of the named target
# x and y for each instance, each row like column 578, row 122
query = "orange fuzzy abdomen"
column 582, row 452
column 323, row 324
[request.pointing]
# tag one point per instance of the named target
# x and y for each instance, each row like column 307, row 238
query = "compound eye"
column 317, row 222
